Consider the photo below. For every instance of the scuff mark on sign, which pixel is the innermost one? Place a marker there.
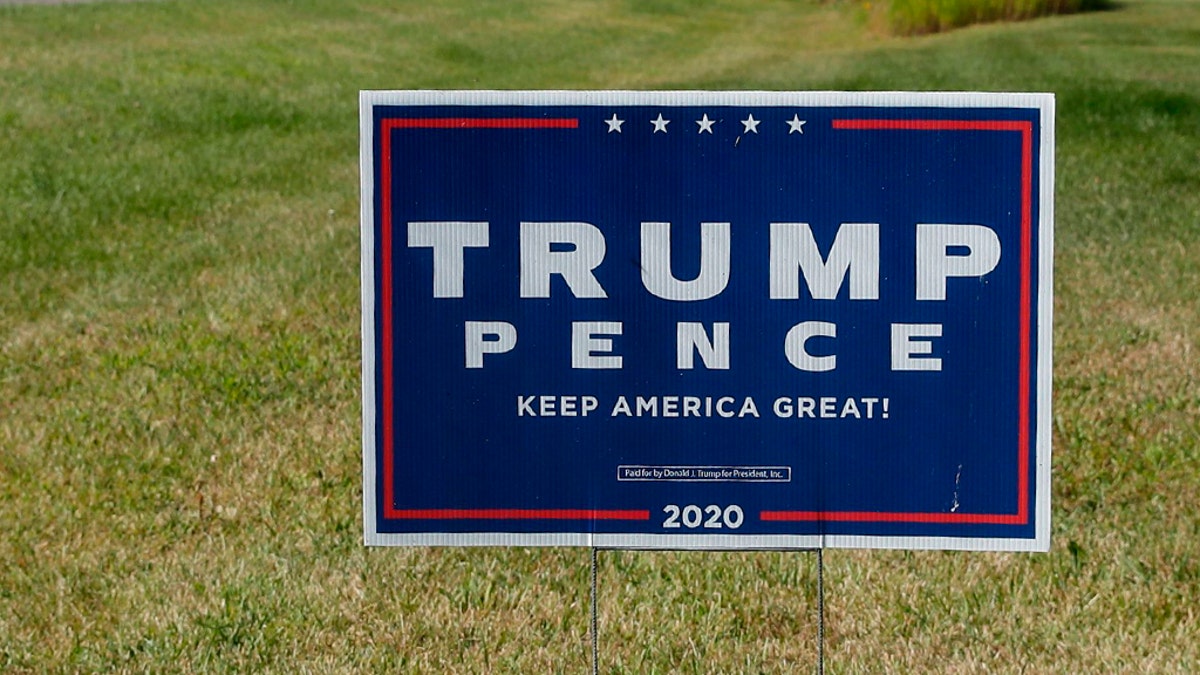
(957, 481)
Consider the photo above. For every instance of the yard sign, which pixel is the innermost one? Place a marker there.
(707, 319)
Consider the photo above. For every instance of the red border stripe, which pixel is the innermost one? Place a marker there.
(480, 123)
(932, 125)
(1023, 383)
(385, 239)
(519, 514)
(1021, 517)
(387, 331)
(885, 517)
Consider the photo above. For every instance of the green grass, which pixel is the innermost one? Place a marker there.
(179, 350)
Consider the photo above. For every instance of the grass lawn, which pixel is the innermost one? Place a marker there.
(179, 350)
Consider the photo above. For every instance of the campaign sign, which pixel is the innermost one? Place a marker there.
(707, 319)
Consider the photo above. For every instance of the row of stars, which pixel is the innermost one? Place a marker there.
(749, 125)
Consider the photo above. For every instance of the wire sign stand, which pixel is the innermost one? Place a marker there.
(595, 623)
(492, 214)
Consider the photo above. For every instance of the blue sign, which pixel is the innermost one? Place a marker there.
(707, 319)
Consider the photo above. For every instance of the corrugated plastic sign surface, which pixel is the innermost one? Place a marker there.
(707, 319)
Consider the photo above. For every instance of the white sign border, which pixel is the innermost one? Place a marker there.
(1044, 102)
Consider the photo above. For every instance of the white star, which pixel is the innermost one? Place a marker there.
(614, 124)
(705, 124)
(751, 124)
(660, 124)
(796, 125)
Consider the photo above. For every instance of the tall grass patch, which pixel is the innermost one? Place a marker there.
(909, 17)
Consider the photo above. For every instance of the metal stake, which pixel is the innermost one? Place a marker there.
(595, 622)
(821, 611)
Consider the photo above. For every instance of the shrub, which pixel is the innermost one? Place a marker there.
(911, 17)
